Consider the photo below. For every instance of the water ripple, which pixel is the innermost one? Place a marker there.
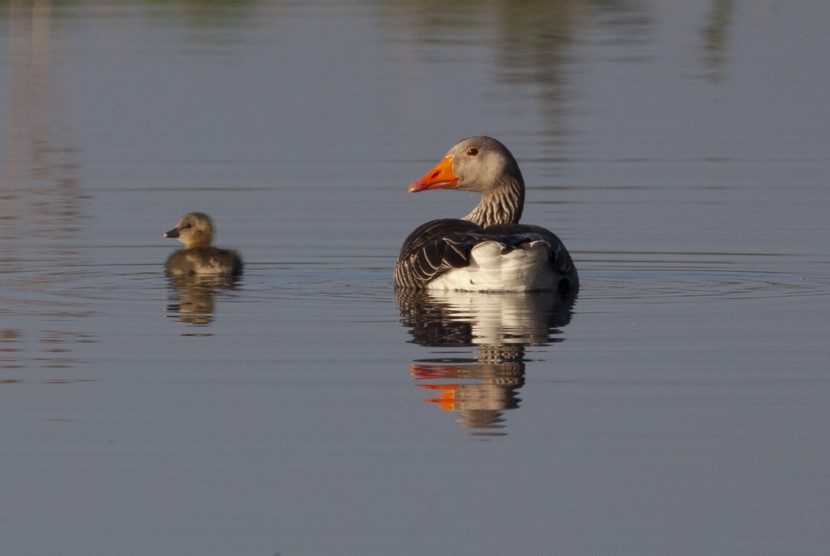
(674, 276)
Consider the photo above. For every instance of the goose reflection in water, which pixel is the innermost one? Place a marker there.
(499, 326)
(192, 297)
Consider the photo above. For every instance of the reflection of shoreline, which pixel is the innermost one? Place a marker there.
(193, 298)
(40, 204)
(716, 38)
(499, 327)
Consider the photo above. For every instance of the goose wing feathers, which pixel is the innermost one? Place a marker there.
(434, 248)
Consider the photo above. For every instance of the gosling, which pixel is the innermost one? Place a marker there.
(199, 257)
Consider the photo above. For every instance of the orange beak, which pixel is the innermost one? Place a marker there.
(440, 177)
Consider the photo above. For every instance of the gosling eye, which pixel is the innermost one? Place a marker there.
(472, 151)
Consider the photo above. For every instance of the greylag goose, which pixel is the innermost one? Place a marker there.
(487, 250)
(195, 231)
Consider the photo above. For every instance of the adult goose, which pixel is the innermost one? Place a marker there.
(199, 257)
(487, 250)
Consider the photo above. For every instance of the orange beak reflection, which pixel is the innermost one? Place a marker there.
(440, 177)
(446, 392)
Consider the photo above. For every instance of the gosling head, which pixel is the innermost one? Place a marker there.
(193, 230)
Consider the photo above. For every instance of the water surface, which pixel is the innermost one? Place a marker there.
(678, 405)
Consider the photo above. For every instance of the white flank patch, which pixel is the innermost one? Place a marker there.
(492, 270)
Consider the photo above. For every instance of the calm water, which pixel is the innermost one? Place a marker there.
(679, 405)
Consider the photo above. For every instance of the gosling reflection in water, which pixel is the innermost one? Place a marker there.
(499, 326)
(192, 300)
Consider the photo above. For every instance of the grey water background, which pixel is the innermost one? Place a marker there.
(679, 406)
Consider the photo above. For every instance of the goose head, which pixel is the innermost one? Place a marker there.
(481, 164)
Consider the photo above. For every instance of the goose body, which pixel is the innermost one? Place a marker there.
(487, 250)
(199, 257)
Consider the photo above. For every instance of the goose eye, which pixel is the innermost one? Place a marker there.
(472, 151)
